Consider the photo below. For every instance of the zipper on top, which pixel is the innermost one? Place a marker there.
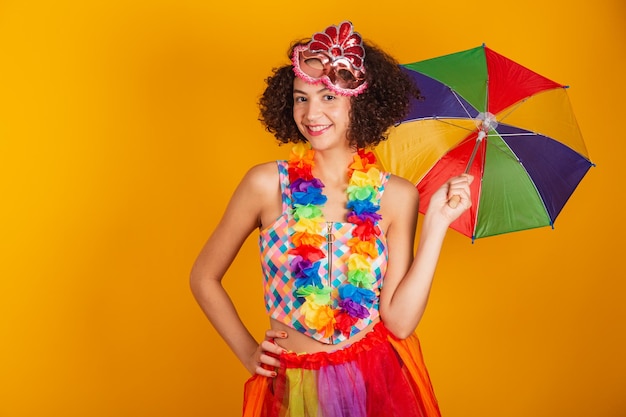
(330, 239)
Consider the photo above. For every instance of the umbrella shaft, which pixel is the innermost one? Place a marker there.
(473, 155)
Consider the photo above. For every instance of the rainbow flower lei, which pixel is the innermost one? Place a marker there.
(355, 294)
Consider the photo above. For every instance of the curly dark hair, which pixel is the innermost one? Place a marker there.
(384, 102)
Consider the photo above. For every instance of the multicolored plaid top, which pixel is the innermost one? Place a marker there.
(280, 301)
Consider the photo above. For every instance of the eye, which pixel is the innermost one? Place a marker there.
(329, 97)
(299, 99)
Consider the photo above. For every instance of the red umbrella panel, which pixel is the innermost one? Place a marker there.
(511, 128)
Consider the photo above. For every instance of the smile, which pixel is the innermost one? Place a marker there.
(319, 129)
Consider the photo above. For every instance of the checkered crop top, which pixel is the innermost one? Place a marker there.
(281, 302)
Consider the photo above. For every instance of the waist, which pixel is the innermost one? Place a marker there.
(298, 342)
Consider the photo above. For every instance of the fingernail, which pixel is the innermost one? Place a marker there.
(283, 334)
(274, 374)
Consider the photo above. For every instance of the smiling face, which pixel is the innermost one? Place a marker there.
(322, 116)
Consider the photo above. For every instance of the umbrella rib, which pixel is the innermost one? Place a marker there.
(469, 116)
(453, 124)
(512, 109)
(514, 134)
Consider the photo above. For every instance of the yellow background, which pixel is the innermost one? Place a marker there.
(125, 126)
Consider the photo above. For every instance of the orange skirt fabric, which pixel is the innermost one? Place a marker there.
(378, 376)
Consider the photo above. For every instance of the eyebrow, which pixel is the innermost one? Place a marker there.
(317, 92)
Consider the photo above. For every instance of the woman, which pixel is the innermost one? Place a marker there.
(343, 288)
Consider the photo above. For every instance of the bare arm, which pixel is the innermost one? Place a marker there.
(254, 197)
(408, 280)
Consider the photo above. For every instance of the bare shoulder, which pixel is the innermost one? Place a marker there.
(261, 190)
(400, 191)
(400, 201)
(262, 177)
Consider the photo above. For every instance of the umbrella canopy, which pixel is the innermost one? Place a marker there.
(511, 128)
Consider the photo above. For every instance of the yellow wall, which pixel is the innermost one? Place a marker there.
(126, 124)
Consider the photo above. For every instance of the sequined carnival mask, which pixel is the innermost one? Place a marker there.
(334, 57)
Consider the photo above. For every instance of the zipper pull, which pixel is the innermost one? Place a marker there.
(330, 237)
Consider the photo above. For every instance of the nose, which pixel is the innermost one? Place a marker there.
(313, 110)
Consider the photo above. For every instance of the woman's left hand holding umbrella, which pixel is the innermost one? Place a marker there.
(452, 198)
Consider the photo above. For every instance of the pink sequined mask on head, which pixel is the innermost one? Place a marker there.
(334, 57)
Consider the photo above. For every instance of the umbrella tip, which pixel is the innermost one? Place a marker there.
(566, 86)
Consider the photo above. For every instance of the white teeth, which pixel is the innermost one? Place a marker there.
(317, 128)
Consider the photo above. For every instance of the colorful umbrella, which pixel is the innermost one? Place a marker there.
(511, 128)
